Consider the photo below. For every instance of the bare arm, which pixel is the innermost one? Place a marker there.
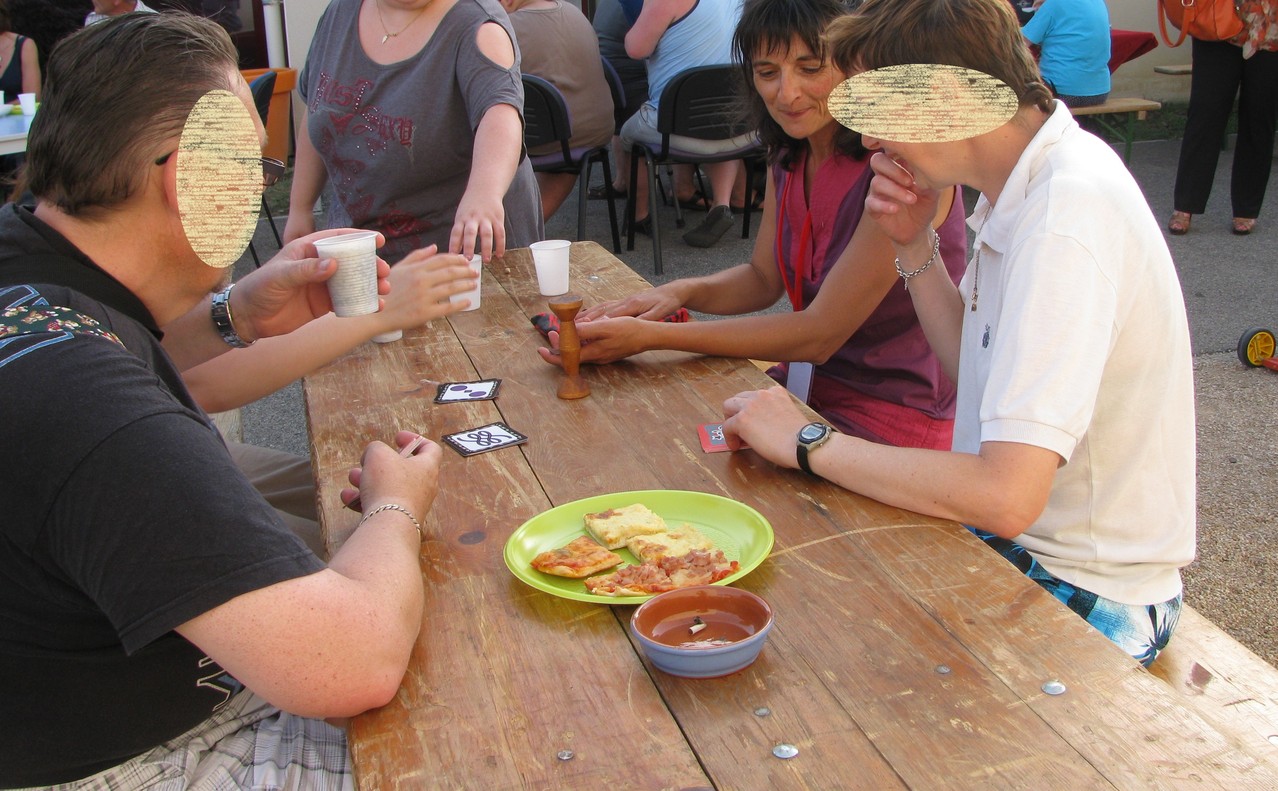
(480, 222)
(855, 286)
(1003, 489)
(309, 177)
(420, 287)
(30, 68)
(651, 25)
(336, 643)
(901, 209)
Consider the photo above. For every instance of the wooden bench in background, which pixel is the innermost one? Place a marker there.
(1117, 117)
(1228, 684)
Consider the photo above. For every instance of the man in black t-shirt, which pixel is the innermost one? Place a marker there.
(151, 602)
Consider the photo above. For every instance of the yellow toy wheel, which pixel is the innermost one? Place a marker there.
(1255, 346)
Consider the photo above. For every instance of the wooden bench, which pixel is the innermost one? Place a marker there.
(1228, 684)
(1109, 117)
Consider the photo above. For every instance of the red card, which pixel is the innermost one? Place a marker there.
(711, 436)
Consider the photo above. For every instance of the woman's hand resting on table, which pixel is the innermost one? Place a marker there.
(653, 304)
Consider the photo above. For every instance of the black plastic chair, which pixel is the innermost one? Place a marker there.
(262, 87)
(700, 103)
(546, 121)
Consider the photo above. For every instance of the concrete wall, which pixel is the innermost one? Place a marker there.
(1137, 77)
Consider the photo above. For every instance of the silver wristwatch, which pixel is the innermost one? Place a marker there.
(809, 438)
(222, 320)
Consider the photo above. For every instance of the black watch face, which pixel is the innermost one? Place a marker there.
(812, 433)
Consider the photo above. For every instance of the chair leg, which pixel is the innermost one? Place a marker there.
(674, 197)
(583, 182)
(256, 262)
(274, 231)
(612, 203)
(652, 214)
(631, 197)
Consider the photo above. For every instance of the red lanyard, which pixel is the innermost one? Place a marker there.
(802, 266)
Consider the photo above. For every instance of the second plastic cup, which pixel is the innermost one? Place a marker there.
(551, 260)
(28, 103)
(476, 263)
(353, 288)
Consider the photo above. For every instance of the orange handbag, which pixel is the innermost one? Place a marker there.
(1206, 20)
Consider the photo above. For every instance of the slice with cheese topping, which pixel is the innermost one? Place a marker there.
(614, 527)
(671, 543)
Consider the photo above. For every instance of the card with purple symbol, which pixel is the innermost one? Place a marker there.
(483, 390)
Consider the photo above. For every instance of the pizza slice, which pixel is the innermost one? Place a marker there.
(671, 543)
(698, 567)
(644, 579)
(579, 558)
(614, 527)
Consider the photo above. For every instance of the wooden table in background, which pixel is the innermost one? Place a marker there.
(905, 653)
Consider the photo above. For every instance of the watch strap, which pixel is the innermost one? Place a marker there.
(223, 322)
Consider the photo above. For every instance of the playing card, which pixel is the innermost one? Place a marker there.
(484, 438)
(711, 436)
(483, 390)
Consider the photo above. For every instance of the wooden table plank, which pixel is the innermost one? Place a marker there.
(474, 710)
(870, 601)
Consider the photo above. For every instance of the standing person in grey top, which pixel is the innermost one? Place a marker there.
(402, 96)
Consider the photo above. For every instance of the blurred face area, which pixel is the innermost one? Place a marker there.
(794, 84)
(219, 175)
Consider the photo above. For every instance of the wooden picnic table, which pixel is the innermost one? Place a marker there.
(905, 654)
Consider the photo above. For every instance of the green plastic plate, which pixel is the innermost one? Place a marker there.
(739, 530)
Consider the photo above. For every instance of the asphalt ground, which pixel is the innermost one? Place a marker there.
(1230, 286)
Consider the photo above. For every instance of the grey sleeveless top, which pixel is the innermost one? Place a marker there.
(397, 140)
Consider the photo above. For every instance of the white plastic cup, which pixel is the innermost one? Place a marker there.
(389, 337)
(476, 264)
(551, 260)
(27, 100)
(6, 110)
(353, 288)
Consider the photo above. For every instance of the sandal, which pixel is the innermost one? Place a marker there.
(1178, 225)
(601, 191)
(1244, 225)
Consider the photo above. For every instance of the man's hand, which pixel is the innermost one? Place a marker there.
(901, 207)
(768, 420)
(290, 289)
(385, 475)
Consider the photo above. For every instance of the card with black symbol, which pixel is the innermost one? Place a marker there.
(484, 439)
(483, 390)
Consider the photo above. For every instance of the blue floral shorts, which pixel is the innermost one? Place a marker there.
(1140, 630)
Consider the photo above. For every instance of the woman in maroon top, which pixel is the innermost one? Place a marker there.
(875, 376)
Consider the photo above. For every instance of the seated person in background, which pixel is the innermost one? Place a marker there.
(105, 9)
(674, 35)
(1073, 446)
(151, 603)
(414, 117)
(611, 25)
(1073, 39)
(875, 377)
(19, 60)
(557, 43)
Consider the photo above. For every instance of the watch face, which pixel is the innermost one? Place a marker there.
(812, 432)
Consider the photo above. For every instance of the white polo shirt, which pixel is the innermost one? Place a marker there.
(1079, 344)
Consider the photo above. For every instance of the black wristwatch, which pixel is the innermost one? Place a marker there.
(810, 437)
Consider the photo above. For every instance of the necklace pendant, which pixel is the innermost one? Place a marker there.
(385, 37)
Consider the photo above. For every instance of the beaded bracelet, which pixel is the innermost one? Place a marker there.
(395, 507)
(936, 250)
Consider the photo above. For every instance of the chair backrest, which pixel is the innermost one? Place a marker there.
(702, 102)
(545, 116)
(262, 87)
(618, 94)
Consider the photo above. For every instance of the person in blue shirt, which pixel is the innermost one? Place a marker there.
(1073, 36)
